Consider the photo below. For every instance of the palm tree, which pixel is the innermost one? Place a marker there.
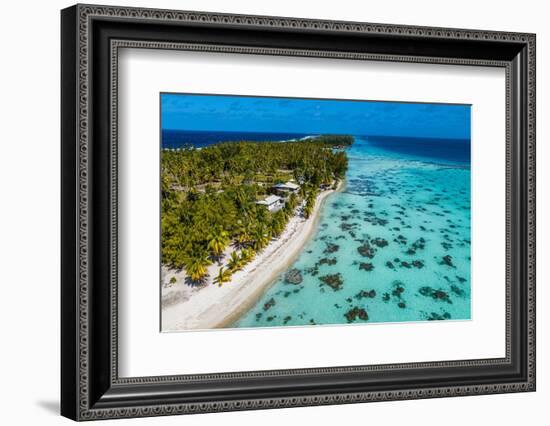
(260, 238)
(310, 203)
(292, 201)
(277, 224)
(195, 266)
(242, 236)
(224, 275)
(303, 190)
(243, 202)
(235, 262)
(247, 255)
(218, 239)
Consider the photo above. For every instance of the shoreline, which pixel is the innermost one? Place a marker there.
(210, 306)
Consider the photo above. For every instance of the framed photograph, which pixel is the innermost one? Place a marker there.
(263, 212)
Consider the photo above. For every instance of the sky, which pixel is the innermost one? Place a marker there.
(313, 116)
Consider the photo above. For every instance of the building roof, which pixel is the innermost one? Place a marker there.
(269, 200)
(289, 185)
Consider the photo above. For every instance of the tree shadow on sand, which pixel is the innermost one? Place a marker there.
(196, 283)
(217, 258)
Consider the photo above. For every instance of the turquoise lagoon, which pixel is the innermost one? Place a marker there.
(396, 239)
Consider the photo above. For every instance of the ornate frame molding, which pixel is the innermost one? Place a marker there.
(81, 16)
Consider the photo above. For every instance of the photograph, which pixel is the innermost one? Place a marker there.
(279, 211)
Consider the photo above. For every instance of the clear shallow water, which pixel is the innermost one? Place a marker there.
(420, 206)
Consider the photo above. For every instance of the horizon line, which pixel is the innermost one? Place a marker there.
(317, 134)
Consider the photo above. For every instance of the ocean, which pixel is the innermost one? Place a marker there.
(396, 239)
(180, 138)
(453, 151)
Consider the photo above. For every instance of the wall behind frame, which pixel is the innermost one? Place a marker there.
(30, 225)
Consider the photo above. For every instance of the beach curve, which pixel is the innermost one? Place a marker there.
(214, 307)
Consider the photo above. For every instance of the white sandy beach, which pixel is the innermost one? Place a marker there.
(210, 306)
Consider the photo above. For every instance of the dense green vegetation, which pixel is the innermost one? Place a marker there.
(209, 197)
(333, 140)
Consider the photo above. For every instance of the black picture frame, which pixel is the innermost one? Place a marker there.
(90, 386)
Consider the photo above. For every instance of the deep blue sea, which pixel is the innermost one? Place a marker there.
(455, 151)
(181, 138)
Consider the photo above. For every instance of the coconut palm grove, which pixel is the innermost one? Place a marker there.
(211, 197)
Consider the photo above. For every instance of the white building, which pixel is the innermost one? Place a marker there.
(272, 202)
(286, 188)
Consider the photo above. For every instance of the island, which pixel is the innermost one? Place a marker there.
(234, 215)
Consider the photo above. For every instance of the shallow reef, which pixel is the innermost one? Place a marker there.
(436, 294)
(356, 313)
(392, 246)
(294, 276)
(334, 281)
